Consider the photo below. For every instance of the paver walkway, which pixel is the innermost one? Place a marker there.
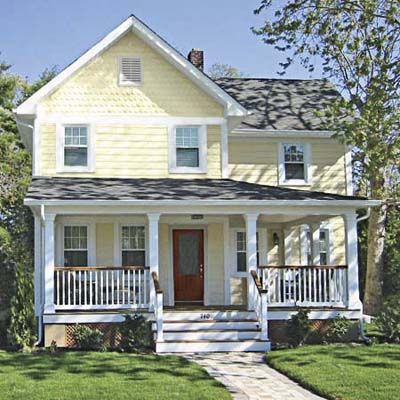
(247, 376)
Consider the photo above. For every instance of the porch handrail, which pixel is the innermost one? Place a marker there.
(305, 285)
(260, 304)
(101, 287)
(158, 307)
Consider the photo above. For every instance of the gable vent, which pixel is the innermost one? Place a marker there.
(130, 71)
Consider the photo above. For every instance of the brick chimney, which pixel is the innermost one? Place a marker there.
(196, 57)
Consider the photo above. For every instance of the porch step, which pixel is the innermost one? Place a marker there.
(239, 325)
(212, 346)
(212, 335)
(204, 315)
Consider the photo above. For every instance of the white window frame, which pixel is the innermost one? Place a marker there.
(202, 168)
(307, 165)
(262, 250)
(60, 133)
(120, 242)
(122, 83)
(305, 250)
(91, 241)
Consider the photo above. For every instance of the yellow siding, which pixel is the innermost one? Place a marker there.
(105, 244)
(131, 151)
(257, 162)
(164, 90)
(338, 255)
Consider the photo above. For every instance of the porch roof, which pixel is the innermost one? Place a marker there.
(143, 189)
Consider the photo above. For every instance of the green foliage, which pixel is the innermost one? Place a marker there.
(219, 70)
(87, 338)
(338, 329)
(299, 328)
(388, 320)
(136, 334)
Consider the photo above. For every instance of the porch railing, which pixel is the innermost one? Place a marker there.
(101, 287)
(309, 285)
(260, 305)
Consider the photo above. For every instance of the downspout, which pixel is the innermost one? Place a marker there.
(365, 338)
(40, 316)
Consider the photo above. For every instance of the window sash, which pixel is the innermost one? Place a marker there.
(187, 146)
(133, 237)
(75, 250)
(294, 161)
(76, 146)
(323, 247)
(241, 251)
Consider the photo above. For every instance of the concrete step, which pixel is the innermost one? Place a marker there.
(211, 335)
(211, 346)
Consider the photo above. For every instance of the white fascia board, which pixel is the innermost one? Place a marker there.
(296, 203)
(232, 107)
(261, 133)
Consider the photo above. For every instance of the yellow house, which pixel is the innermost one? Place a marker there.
(215, 208)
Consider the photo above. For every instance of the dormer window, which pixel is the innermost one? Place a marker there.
(294, 164)
(130, 71)
(188, 149)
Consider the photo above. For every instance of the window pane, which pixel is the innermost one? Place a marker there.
(294, 171)
(77, 258)
(241, 241)
(187, 137)
(133, 237)
(241, 262)
(323, 259)
(293, 152)
(75, 156)
(187, 157)
(75, 237)
(133, 258)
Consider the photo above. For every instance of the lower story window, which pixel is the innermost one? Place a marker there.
(241, 253)
(133, 246)
(75, 246)
(323, 247)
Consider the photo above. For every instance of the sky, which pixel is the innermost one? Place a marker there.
(38, 34)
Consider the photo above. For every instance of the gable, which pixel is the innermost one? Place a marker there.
(132, 24)
(164, 90)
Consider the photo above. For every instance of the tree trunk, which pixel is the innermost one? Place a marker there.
(374, 277)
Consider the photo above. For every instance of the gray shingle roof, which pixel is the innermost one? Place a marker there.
(57, 188)
(281, 104)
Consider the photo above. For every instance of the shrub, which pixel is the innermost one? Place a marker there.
(338, 329)
(299, 328)
(87, 338)
(136, 334)
(388, 320)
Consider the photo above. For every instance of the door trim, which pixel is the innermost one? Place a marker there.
(178, 227)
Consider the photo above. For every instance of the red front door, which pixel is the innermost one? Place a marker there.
(188, 255)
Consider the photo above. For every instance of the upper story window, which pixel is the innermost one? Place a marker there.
(76, 146)
(76, 246)
(133, 246)
(294, 164)
(130, 71)
(188, 149)
(75, 152)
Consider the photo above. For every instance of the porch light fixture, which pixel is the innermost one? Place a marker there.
(275, 239)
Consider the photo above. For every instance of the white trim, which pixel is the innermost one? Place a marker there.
(38, 271)
(277, 315)
(227, 263)
(49, 257)
(307, 165)
(202, 168)
(36, 147)
(349, 170)
(224, 151)
(90, 317)
(232, 107)
(131, 119)
(268, 134)
(217, 203)
(91, 140)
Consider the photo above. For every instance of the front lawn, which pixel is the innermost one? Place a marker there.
(343, 371)
(80, 375)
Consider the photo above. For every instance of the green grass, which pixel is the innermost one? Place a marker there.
(343, 371)
(90, 375)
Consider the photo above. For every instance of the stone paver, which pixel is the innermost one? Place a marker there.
(248, 377)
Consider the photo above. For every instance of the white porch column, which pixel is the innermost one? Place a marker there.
(315, 244)
(350, 221)
(38, 264)
(153, 223)
(251, 252)
(49, 249)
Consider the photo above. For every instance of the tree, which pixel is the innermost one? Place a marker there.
(16, 223)
(219, 70)
(358, 42)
